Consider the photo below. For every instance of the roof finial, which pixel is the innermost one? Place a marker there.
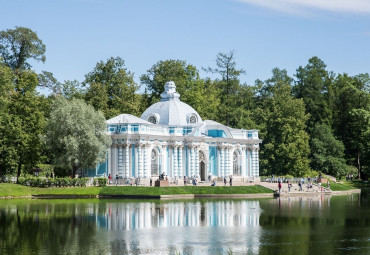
(170, 92)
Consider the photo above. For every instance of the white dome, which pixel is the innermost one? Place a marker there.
(170, 110)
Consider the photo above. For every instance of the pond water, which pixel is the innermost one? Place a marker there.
(307, 225)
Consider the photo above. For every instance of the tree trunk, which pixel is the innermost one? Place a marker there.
(358, 164)
(19, 170)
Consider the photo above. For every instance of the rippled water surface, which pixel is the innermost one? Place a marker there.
(307, 225)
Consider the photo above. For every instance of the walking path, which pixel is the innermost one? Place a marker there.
(294, 190)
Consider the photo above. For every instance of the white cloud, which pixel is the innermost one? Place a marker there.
(309, 6)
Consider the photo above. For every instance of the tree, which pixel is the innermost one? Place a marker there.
(111, 88)
(22, 122)
(47, 80)
(76, 134)
(285, 148)
(229, 86)
(327, 152)
(19, 45)
(359, 137)
(314, 85)
(183, 74)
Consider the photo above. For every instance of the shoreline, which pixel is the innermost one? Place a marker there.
(189, 196)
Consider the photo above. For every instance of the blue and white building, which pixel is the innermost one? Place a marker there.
(171, 137)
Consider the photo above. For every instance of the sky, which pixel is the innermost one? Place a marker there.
(263, 34)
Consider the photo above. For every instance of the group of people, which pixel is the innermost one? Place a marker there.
(309, 185)
(230, 180)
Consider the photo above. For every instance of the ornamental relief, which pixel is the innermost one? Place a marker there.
(203, 152)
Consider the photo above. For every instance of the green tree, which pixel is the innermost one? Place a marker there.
(285, 148)
(359, 137)
(327, 152)
(19, 45)
(314, 85)
(112, 89)
(76, 134)
(47, 80)
(230, 88)
(184, 75)
(22, 122)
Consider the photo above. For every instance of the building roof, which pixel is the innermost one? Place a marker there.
(170, 110)
(126, 118)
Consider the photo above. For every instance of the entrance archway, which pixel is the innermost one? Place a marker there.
(236, 164)
(154, 163)
(202, 166)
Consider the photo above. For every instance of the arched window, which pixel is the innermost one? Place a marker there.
(236, 164)
(193, 119)
(152, 119)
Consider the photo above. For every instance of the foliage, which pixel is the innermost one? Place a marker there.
(285, 148)
(111, 88)
(76, 135)
(314, 85)
(101, 181)
(229, 86)
(42, 182)
(22, 121)
(327, 152)
(19, 45)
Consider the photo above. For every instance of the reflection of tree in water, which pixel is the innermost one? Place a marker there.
(33, 229)
(313, 225)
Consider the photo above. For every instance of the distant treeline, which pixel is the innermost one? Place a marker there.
(315, 121)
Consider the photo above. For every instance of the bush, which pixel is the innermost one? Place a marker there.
(101, 181)
(57, 182)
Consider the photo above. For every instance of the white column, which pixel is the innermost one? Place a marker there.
(145, 161)
(192, 161)
(139, 161)
(222, 173)
(174, 165)
(115, 165)
(180, 169)
(120, 161)
(127, 161)
(197, 162)
(227, 161)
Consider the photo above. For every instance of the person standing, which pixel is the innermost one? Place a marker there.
(289, 186)
(300, 185)
(225, 181)
(279, 185)
(184, 180)
(231, 180)
(116, 179)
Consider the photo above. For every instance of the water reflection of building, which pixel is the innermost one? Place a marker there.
(125, 216)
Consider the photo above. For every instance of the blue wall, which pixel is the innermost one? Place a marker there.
(212, 168)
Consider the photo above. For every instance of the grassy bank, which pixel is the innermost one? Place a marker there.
(341, 186)
(15, 190)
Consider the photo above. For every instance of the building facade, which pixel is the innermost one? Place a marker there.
(170, 137)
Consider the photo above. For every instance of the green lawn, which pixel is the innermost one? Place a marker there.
(341, 186)
(16, 190)
(128, 190)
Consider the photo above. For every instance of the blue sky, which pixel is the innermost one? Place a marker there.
(263, 33)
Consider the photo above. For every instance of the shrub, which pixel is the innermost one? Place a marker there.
(101, 181)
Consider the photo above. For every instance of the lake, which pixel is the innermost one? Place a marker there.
(297, 225)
